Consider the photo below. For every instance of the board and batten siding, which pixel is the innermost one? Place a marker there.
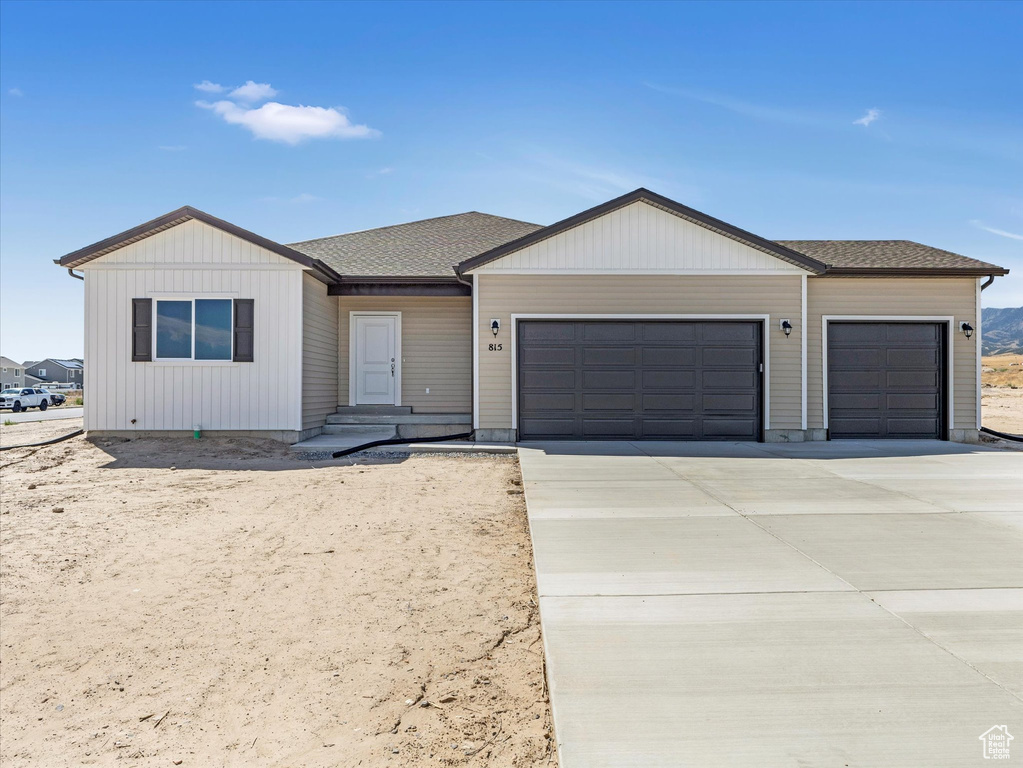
(436, 349)
(639, 238)
(193, 260)
(319, 353)
(500, 296)
(933, 297)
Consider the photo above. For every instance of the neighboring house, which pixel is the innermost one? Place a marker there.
(58, 371)
(12, 374)
(638, 319)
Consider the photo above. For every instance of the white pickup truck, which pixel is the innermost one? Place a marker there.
(23, 399)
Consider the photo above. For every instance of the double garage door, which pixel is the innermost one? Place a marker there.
(886, 380)
(663, 380)
(674, 380)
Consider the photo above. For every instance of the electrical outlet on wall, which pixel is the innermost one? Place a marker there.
(427, 390)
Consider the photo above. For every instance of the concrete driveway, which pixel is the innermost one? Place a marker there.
(821, 604)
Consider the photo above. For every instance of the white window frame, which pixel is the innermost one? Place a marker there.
(42, 372)
(191, 360)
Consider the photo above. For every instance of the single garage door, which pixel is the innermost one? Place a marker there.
(886, 380)
(611, 380)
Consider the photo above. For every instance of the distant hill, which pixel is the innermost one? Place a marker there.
(1003, 330)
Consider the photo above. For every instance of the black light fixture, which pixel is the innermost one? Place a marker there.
(495, 326)
(787, 327)
(966, 328)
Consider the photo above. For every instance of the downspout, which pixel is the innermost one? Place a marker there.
(71, 271)
(993, 433)
(475, 344)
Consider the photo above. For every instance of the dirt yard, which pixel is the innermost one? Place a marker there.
(224, 603)
(1002, 399)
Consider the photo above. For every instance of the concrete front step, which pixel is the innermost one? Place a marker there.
(384, 410)
(358, 429)
(407, 431)
(324, 443)
(346, 417)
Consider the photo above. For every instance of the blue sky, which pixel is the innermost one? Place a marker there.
(795, 121)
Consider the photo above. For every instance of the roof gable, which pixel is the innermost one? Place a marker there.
(642, 231)
(180, 216)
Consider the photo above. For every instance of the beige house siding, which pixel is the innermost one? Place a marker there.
(319, 353)
(500, 296)
(954, 297)
(436, 349)
(193, 260)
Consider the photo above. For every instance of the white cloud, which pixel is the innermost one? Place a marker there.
(993, 231)
(207, 87)
(16, 92)
(290, 124)
(379, 172)
(253, 92)
(172, 147)
(868, 118)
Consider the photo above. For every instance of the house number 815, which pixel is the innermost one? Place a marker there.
(496, 347)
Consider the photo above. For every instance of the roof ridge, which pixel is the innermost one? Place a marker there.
(407, 223)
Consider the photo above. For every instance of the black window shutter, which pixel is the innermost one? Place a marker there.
(141, 330)
(244, 325)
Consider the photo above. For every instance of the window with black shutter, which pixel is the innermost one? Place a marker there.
(244, 326)
(141, 330)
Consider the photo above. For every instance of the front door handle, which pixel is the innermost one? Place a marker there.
(392, 370)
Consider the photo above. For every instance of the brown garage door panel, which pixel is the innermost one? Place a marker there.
(670, 380)
(886, 380)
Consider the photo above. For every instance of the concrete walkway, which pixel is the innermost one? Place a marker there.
(821, 604)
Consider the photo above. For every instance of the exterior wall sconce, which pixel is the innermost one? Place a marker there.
(495, 326)
(966, 328)
(786, 326)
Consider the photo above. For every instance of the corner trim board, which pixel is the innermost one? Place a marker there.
(475, 352)
(802, 353)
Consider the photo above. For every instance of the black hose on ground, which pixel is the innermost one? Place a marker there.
(1003, 435)
(60, 439)
(400, 441)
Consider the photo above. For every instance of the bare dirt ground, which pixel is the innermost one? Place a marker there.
(1002, 393)
(225, 603)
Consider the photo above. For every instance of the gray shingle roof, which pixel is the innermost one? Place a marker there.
(884, 254)
(428, 248)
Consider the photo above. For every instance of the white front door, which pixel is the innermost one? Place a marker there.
(376, 363)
